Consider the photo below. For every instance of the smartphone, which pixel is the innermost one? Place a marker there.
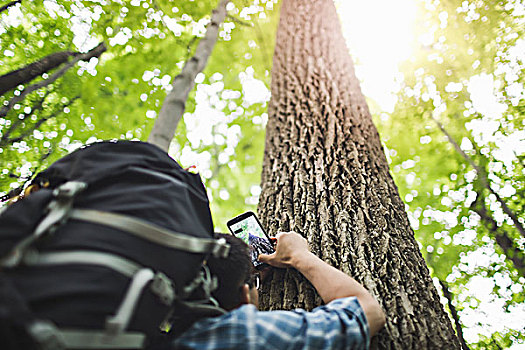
(248, 228)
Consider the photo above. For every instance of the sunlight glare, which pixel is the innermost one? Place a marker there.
(379, 35)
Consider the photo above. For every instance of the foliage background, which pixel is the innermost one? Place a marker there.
(466, 53)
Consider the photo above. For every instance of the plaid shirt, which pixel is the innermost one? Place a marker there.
(340, 324)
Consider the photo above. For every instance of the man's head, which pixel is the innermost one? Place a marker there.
(234, 275)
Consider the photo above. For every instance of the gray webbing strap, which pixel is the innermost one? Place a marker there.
(124, 266)
(60, 206)
(49, 337)
(169, 178)
(114, 335)
(210, 310)
(205, 280)
(118, 323)
(153, 233)
(161, 286)
(46, 335)
(91, 339)
(58, 211)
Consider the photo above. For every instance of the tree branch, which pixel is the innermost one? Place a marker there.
(238, 21)
(483, 178)
(173, 106)
(18, 121)
(454, 313)
(8, 5)
(23, 75)
(502, 238)
(95, 52)
(262, 44)
(35, 126)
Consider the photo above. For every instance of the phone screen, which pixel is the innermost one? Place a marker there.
(250, 231)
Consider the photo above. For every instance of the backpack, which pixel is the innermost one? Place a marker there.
(108, 251)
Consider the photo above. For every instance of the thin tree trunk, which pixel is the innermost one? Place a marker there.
(95, 52)
(23, 75)
(325, 176)
(173, 106)
(459, 329)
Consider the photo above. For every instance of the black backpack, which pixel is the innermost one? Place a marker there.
(109, 252)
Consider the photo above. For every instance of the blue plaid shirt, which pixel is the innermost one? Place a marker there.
(340, 324)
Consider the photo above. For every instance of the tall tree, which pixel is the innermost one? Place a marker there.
(325, 175)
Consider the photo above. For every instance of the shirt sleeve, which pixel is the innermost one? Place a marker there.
(340, 324)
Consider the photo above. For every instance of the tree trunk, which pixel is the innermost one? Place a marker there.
(325, 176)
(174, 103)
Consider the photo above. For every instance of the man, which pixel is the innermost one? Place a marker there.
(347, 321)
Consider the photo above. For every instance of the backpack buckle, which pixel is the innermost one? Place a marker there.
(68, 190)
(162, 286)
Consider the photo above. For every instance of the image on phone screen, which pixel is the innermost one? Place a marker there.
(250, 231)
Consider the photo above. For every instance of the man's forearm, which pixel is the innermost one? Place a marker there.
(292, 251)
(332, 284)
(329, 282)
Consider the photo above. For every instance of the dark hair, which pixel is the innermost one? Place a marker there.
(231, 272)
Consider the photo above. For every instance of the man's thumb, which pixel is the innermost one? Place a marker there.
(264, 257)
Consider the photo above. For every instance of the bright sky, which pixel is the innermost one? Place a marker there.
(379, 35)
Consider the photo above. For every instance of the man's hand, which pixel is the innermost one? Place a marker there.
(290, 248)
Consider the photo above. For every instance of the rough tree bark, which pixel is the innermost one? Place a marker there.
(325, 176)
(174, 103)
